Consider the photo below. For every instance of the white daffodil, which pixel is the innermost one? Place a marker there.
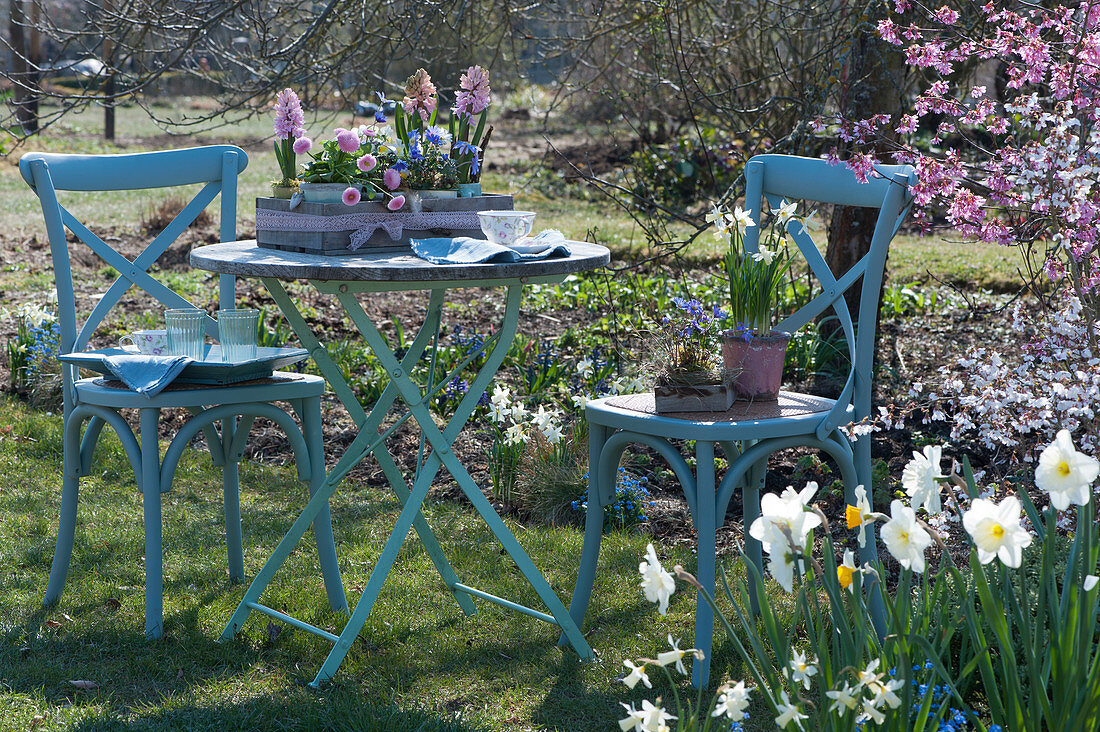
(585, 367)
(884, 693)
(868, 675)
(500, 404)
(1064, 473)
(919, 479)
(732, 702)
(580, 401)
(788, 712)
(743, 219)
(996, 531)
(542, 418)
(801, 670)
(676, 655)
(655, 718)
(786, 213)
(634, 719)
(637, 673)
(765, 255)
(552, 432)
(904, 538)
(657, 584)
(860, 515)
(871, 712)
(1090, 582)
(846, 570)
(516, 434)
(781, 517)
(843, 698)
(519, 411)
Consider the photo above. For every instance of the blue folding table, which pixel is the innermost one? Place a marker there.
(344, 277)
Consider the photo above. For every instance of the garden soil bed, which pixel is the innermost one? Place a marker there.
(911, 349)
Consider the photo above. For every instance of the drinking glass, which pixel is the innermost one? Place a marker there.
(186, 332)
(237, 333)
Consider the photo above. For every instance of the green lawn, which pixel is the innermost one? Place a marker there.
(419, 664)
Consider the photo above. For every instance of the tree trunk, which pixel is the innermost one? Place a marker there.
(873, 85)
(109, 82)
(25, 52)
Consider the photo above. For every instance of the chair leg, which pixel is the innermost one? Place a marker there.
(150, 489)
(66, 526)
(705, 530)
(750, 511)
(232, 501)
(593, 528)
(310, 414)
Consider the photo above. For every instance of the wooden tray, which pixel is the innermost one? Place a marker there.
(335, 243)
(211, 370)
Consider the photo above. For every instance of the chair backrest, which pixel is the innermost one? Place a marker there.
(216, 166)
(782, 179)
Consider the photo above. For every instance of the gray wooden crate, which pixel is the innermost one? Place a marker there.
(335, 243)
(696, 398)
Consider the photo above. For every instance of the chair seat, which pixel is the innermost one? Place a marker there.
(279, 386)
(791, 414)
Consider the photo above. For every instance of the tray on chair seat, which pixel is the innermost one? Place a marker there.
(211, 370)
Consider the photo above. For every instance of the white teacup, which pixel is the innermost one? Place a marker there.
(151, 342)
(506, 227)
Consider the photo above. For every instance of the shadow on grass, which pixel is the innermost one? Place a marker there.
(348, 711)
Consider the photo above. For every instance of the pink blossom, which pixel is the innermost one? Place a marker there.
(347, 141)
(302, 145)
(351, 196)
(289, 117)
(396, 203)
(947, 16)
(888, 32)
(392, 179)
(367, 163)
(473, 95)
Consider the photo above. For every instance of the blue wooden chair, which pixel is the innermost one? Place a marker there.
(749, 432)
(98, 402)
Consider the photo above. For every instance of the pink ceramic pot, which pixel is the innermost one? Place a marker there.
(756, 364)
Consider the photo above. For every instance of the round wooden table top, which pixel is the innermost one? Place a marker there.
(246, 259)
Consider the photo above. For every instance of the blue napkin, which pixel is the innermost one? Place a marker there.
(467, 250)
(146, 374)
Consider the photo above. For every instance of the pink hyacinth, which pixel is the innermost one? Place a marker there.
(391, 178)
(419, 95)
(396, 203)
(473, 94)
(367, 163)
(351, 196)
(302, 145)
(289, 117)
(347, 141)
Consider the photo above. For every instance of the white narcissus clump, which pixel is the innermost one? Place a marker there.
(904, 538)
(1064, 473)
(657, 584)
(996, 531)
(919, 479)
(732, 702)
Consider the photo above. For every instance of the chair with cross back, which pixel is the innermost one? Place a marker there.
(224, 414)
(750, 431)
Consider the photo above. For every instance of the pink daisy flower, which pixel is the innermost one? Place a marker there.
(302, 145)
(396, 203)
(392, 179)
(351, 196)
(347, 141)
(367, 163)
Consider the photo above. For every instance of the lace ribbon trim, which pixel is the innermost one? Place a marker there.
(363, 225)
